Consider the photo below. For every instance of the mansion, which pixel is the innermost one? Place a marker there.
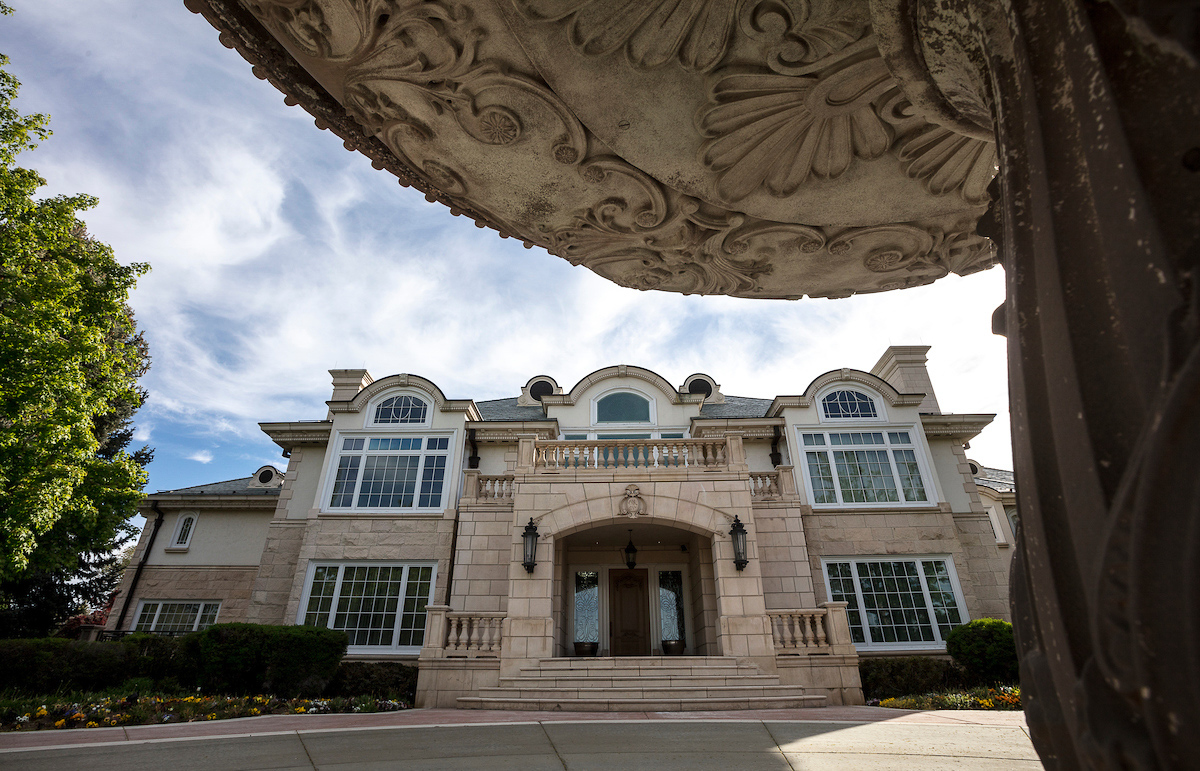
(621, 544)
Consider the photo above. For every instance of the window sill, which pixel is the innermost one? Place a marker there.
(176, 549)
(877, 508)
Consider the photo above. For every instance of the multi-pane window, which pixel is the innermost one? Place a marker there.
(164, 616)
(846, 467)
(390, 472)
(401, 409)
(848, 404)
(897, 603)
(183, 531)
(376, 604)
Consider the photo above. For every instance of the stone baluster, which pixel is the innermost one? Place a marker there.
(476, 634)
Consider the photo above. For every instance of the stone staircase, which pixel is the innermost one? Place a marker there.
(641, 683)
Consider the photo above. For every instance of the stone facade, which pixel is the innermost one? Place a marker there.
(762, 537)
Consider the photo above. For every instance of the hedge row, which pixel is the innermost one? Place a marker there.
(983, 653)
(244, 659)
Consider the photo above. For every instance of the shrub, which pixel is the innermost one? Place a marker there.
(53, 664)
(380, 679)
(986, 649)
(892, 676)
(303, 659)
(171, 662)
(256, 658)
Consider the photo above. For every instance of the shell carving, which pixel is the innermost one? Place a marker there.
(776, 131)
(632, 505)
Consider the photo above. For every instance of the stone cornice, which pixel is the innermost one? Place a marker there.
(509, 431)
(288, 435)
(747, 428)
(405, 380)
(621, 370)
(963, 427)
(201, 501)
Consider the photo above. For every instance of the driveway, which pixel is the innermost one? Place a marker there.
(842, 738)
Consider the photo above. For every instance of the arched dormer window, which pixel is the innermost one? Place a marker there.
(401, 410)
(848, 404)
(623, 407)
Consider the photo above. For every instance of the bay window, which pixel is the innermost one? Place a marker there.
(897, 603)
(849, 467)
(390, 472)
(379, 605)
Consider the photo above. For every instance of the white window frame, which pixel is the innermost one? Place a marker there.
(336, 452)
(916, 443)
(881, 415)
(939, 643)
(137, 619)
(592, 434)
(373, 405)
(174, 545)
(615, 426)
(407, 565)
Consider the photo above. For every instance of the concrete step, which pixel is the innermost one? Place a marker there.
(648, 681)
(683, 671)
(600, 662)
(642, 704)
(648, 692)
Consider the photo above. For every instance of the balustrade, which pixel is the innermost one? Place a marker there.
(495, 489)
(473, 634)
(641, 454)
(764, 486)
(797, 631)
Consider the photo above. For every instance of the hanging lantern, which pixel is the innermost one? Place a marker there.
(738, 533)
(631, 553)
(530, 537)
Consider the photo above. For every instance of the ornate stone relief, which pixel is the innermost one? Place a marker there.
(790, 103)
(632, 505)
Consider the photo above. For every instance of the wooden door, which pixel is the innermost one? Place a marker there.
(629, 612)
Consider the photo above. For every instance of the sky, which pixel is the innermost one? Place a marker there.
(277, 255)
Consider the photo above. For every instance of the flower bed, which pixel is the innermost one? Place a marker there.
(1006, 697)
(94, 711)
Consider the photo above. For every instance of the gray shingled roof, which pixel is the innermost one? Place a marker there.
(996, 479)
(737, 407)
(508, 409)
(228, 487)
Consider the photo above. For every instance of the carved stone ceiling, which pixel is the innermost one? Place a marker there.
(757, 148)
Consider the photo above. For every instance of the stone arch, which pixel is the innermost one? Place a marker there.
(668, 511)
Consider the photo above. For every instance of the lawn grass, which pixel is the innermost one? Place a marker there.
(1000, 697)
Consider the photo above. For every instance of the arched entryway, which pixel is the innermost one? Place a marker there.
(665, 604)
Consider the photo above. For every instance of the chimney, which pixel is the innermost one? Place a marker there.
(903, 367)
(348, 382)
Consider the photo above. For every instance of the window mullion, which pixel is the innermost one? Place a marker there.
(399, 621)
(933, 620)
(862, 604)
(833, 471)
(337, 597)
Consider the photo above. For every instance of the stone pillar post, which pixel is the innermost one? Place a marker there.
(529, 628)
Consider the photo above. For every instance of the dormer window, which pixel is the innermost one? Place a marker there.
(848, 404)
(401, 410)
(623, 407)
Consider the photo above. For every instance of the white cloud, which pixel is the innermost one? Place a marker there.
(201, 456)
(277, 255)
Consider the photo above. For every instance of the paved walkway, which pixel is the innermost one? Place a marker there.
(842, 738)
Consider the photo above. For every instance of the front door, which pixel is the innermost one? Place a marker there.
(629, 611)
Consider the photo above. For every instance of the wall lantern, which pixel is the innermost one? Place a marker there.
(631, 553)
(738, 533)
(530, 537)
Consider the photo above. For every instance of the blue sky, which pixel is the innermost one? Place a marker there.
(278, 255)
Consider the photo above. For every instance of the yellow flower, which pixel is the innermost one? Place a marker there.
(254, 710)
(92, 725)
(60, 723)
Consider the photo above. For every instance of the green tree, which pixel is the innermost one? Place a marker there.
(70, 357)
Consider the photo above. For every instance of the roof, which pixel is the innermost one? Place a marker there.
(241, 486)
(996, 479)
(508, 409)
(737, 407)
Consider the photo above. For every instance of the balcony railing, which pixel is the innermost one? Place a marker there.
(462, 634)
(651, 455)
(810, 630)
(482, 488)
